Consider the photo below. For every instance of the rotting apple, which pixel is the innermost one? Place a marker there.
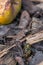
(8, 10)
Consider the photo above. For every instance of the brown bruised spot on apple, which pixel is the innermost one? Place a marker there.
(7, 6)
(2, 6)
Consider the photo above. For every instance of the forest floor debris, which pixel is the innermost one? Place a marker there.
(22, 42)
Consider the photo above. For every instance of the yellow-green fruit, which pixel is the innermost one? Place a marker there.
(9, 10)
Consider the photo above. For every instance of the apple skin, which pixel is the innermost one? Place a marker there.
(10, 12)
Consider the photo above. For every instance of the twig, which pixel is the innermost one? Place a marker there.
(6, 50)
(31, 39)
